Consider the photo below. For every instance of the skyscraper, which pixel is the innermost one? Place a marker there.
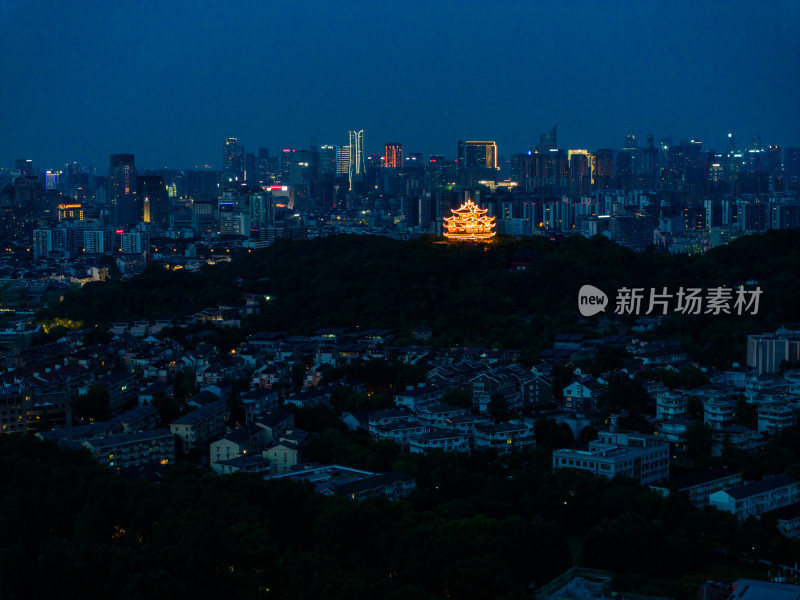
(343, 160)
(154, 200)
(232, 160)
(477, 161)
(327, 160)
(122, 189)
(791, 162)
(357, 167)
(393, 156)
(548, 140)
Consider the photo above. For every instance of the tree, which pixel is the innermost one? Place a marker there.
(746, 413)
(698, 440)
(498, 408)
(167, 406)
(93, 405)
(457, 398)
(551, 435)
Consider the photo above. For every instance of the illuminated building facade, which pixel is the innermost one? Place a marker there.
(469, 223)
(356, 167)
(393, 156)
(70, 212)
(343, 160)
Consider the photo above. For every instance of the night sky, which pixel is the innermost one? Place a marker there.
(169, 80)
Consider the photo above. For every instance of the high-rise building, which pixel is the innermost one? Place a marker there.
(232, 160)
(327, 160)
(343, 160)
(393, 156)
(154, 200)
(287, 159)
(357, 165)
(604, 164)
(791, 162)
(548, 140)
(650, 159)
(263, 167)
(477, 161)
(250, 168)
(122, 190)
(579, 177)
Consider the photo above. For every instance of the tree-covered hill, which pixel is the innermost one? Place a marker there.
(467, 293)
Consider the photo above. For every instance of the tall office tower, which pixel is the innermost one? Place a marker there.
(262, 167)
(477, 161)
(122, 190)
(393, 156)
(791, 162)
(774, 162)
(624, 164)
(343, 160)
(300, 169)
(250, 168)
(697, 164)
(232, 160)
(357, 166)
(154, 200)
(650, 159)
(632, 149)
(287, 160)
(327, 160)
(579, 177)
(676, 164)
(604, 164)
(548, 140)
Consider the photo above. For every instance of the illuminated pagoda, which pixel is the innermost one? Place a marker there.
(469, 223)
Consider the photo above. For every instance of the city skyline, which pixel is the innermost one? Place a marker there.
(167, 83)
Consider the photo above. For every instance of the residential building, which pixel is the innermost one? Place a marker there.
(774, 417)
(504, 438)
(699, 486)
(766, 351)
(737, 436)
(244, 440)
(133, 449)
(199, 427)
(757, 498)
(439, 439)
(671, 404)
(414, 398)
(283, 456)
(437, 414)
(718, 414)
(640, 456)
(583, 395)
(354, 484)
(247, 463)
(399, 432)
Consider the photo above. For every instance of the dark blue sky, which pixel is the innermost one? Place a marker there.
(169, 80)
